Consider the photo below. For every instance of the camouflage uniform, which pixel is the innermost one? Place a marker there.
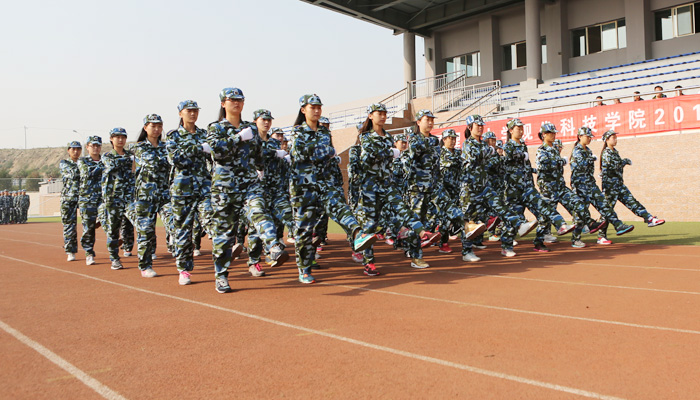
(89, 199)
(151, 197)
(376, 159)
(70, 174)
(190, 189)
(117, 193)
(521, 192)
(237, 191)
(614, 187)
(450, 179)
(3, 207)
(583, 183)
(354, 175)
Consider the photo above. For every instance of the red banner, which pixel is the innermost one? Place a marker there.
(627, 119)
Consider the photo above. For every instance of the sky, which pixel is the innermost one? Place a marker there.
(74, 68)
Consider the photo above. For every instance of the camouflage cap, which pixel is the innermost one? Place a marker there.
(375, 107)
(275, 131)
(312, 99)
(558, 144)
(117, 132)
(449, 133)
(499, 144)
(607, 134)
(489, 135)
(585, 131)
(187, 105)
(74, 145)
(475, 119)
(400, 137)
(548, 127)
(94, 140)
(424, 113)
(231, 93)
(152, 119)
(324, 120)
(262, 113)
(513, 123)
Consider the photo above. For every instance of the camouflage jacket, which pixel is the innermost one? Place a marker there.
(423, 161)
(274, 167)
(582, 166)
(189, 174)
(496, 170)
(550, 170)
(70, 174)
(474, 174)
(354, 164)
(152, 172)
(518, 168)
(451, 171)
(90, 180)
(612, 166)
(311, 152)
(117, 177)
(376, 159)
(336, 175)
(236, 162)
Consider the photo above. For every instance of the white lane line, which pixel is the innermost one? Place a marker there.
(624, 266)
(89, 381)
(517, 310)
(407, 354)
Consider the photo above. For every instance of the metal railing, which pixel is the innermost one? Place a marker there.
(395, 103)
(427, 86)
(455, 97)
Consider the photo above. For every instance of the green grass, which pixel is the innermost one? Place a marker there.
(670, 233)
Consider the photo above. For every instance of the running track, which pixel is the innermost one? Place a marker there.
(620, 321)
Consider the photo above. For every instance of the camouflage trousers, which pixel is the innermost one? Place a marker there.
(619, 192)
(375, 203)
(479, 206)
(527, 196)
(278, 207)
(69, 219)
(197, 232)
(573, 204)
(232, 209)
(353, 195)
(184, 210)
(115, 223)
(591, 194)
(435, 208)
(143, 217)
(308, 202)
(88, 214)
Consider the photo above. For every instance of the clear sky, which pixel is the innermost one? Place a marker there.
(89, 66)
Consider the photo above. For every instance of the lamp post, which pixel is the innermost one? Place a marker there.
(25, 137)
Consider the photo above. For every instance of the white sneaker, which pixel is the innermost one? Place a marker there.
(565, 229)
(494, 238)
(153, 256)
(256, 270)
(526, 227)
(470, 257)
(184, 278)
(70, 257)
(116, 264)
(419, 263)
(290, 240)
(549, 238)
(127, 253)
(578, 244)
(515, 243)
(197, 253)
(148, 273)
(508, 253)
(90, 260)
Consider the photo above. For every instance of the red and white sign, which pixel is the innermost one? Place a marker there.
(627, 119)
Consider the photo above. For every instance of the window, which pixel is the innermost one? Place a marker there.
(677, 21)
(602, 37)
(514, 56)
(469, 63)
(544, 49)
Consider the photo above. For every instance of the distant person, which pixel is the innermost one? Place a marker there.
(616, 101)
(679, 91)
(637, 97)
(69, 198)
(90, 195)
(599, 101)
(659, 94)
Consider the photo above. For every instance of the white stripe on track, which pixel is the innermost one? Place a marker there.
(415, 356)
(89, 381)
(624, 266)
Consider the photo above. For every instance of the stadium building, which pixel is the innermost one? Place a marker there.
(548, 60)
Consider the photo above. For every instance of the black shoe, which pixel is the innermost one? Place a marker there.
(595, 226)
(540, 247)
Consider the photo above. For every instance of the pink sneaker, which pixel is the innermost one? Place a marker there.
(357, 257)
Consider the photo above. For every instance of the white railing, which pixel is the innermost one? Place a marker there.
(427, 86)
(464, 96)
(395, 103)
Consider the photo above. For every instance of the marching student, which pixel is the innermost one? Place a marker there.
(496, 171)
(583, 182)
(117, 192)
(311, 150)
(152, 195)
(614, 188)
(190, 185)
(90, 195)
(450, 176)
(70, 175)
(237, 191)
(550, 179)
